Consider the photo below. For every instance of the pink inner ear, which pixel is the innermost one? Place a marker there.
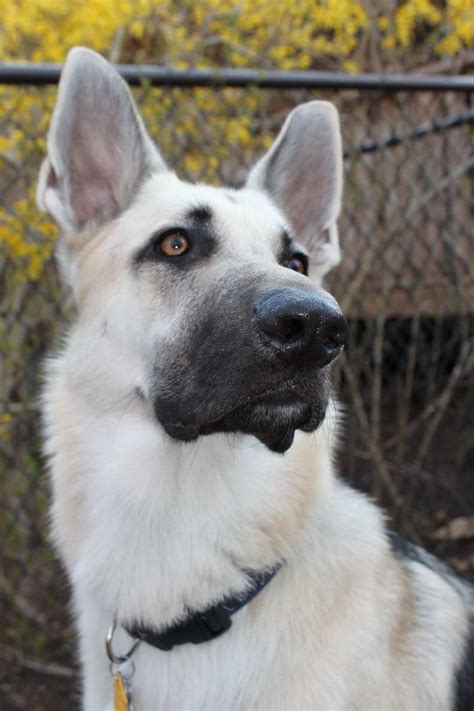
(97, 145)
(298, 202)
(303, 170)
(92, 170)
(305, 183)
(94, 202)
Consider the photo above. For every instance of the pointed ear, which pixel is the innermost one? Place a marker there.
(302, 172)
(98, 149)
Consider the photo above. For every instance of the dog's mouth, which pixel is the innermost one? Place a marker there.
(273, 418)
(273, 423)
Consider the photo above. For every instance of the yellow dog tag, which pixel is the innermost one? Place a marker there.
(121, 695)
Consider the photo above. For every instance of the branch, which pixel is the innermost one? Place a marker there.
(450, 65)
(9, 654)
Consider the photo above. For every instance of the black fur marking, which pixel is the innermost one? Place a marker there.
(224, 379)
(404, 549)
(408, 551)
(464, 693)
(287, 246)
(290, 248)
(199, 214)
(139, 393)
(464, 700)
(196, 227)
(272, 418)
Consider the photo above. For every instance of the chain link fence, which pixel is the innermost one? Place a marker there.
(405, 284)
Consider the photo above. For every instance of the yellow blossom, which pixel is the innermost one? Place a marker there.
(202, 33)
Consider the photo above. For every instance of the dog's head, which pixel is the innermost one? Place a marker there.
(208, 294)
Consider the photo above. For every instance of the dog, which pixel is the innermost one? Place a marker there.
(215, 559)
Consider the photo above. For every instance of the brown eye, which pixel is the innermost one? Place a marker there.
(298, 264)
(173, 245)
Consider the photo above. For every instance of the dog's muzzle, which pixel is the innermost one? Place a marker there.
(257, 367)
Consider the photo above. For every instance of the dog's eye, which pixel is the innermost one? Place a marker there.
(298, 264)
(173, 245)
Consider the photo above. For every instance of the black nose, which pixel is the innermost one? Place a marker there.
(301, 326)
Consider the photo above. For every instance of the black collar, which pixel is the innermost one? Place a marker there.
(204, 626)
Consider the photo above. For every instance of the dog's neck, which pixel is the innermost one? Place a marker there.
(157, 525)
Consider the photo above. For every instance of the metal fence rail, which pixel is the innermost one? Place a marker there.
(405, 283)
(136, 75)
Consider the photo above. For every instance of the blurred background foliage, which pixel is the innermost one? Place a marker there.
(332, 34)
(347, 35)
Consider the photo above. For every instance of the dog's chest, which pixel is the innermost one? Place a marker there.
(257, 664)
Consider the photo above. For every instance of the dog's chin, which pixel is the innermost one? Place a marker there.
(273, 423)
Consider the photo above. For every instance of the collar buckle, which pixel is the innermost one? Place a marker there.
(206, 625)
(214, 622)
(201, 627)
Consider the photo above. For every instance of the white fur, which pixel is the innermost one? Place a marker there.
(148, 526)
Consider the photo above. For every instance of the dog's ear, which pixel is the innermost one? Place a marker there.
(302, 172)
(98, 149)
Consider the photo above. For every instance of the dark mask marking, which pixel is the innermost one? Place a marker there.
(197, 226)
(198, 215)
(289, 248)
(221, 378)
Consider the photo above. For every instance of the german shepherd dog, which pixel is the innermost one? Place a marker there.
(190, 433)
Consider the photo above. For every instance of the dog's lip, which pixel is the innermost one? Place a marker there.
(281, 439)
(190, 430)
(184, 431)
(195, 424)
(254, 399)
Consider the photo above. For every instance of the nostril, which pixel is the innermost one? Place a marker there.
(336, 334)
(291, 330)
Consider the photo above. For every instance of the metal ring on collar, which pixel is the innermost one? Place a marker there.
(115, 659)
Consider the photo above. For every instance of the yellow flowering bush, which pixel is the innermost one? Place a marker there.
(207, 33)
(264, 33)
(447, 26)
